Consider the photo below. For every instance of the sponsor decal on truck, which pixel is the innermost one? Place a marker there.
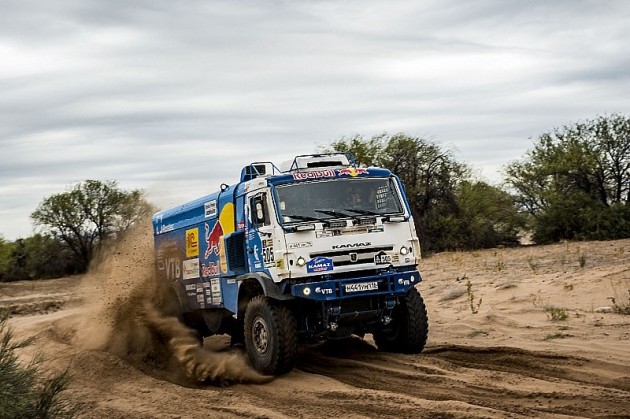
(319, 264)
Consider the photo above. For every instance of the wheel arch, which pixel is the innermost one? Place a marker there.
(256, 284)
(176, 293)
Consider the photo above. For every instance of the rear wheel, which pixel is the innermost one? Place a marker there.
(270, 336)
(171, 307)
(408, 331)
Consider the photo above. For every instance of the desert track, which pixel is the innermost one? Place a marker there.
(508, 360)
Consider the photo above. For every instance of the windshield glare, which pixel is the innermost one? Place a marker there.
(322, 200)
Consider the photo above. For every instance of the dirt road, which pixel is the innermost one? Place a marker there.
(513, 333)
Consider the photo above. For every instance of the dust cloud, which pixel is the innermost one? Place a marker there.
(123, 317)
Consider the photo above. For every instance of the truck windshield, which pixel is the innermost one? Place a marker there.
(338, 198)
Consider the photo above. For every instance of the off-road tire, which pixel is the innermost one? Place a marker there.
(270, 336)
(408, 331)
(171, 307)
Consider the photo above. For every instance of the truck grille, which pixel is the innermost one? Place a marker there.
(353, 256)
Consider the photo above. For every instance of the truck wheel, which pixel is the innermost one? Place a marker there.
(270, 336)
(172, 308)
(408, 331)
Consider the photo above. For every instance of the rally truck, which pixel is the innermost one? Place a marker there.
(317, 249)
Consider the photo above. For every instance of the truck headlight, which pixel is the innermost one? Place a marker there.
(300, 261)
(404, 250)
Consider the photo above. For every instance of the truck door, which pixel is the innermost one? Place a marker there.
(260, 236)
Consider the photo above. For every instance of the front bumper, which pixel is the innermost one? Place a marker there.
(386, 284)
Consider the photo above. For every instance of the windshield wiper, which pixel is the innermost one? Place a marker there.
(301, 217)
(333, 213)
(362, 211)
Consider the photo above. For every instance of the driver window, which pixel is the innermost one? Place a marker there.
(260, 210)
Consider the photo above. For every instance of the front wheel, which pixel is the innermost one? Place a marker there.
(408, 331)
(270, 336)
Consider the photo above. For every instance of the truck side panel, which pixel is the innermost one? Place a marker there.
(177, 259)
(190, 252)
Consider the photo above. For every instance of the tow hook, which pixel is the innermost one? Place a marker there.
(333, 326)
(386, 320)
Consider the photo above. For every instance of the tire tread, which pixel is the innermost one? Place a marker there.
(414, 324)
(285, 326)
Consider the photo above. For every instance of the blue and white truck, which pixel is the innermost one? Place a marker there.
(321, 249)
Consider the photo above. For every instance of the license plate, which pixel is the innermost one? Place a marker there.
(362, 286)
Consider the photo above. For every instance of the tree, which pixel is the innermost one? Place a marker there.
(5, 253)
(487, 216)
(447, 204)
(611, 137)
(16, 266)
(35, 257)
(366, 151)
(575, 183)
(89, 214)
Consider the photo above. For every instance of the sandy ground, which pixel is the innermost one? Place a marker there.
(529, 337)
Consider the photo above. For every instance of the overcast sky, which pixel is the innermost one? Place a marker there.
(175, 97)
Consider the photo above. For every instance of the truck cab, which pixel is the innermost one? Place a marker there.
(319, 249)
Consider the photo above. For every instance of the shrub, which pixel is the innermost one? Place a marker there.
(23, 392)
(621, 306)
(557, 313)
(474, 307)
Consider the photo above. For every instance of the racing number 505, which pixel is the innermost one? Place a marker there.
(268, 257)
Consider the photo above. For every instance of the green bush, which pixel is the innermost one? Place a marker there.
(23, 392)
(557, 313)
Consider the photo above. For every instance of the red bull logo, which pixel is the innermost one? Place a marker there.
(211, 270)
(315, 174)
(212, 239)
(353, 171)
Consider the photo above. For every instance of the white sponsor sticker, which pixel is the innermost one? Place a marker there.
(215, 285)
(300, 245)
(210, 208)
(191, 268)
(167, 228)
(362, 286)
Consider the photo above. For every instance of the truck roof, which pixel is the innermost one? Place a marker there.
(206, 207)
